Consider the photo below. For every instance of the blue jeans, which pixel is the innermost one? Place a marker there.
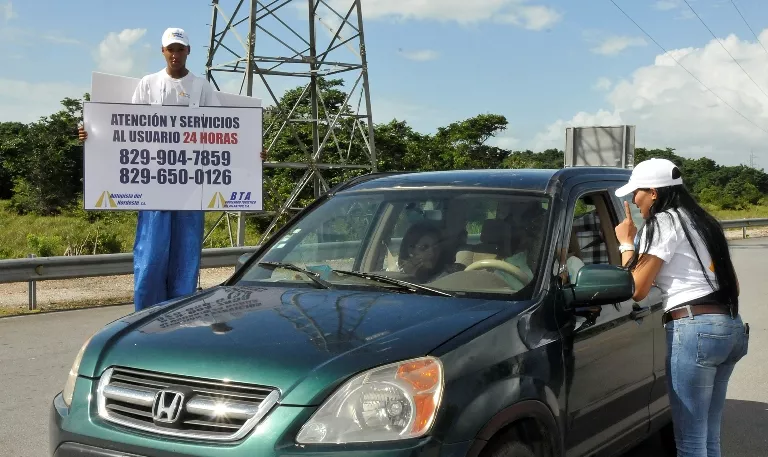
(166, 255)
(701, 355)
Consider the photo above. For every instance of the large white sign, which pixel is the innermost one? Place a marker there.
(151, 157)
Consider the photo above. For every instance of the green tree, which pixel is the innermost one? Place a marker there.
(725, 187)
(548, 159)
(41, 162)
(462, 145)
(46, 162)
(12, 147)
(399, 147)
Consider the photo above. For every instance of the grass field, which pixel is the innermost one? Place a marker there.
(72, 234)
(756, 212)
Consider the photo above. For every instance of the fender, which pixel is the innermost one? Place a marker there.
(527, 409)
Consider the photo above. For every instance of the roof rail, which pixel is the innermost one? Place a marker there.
(364, 178)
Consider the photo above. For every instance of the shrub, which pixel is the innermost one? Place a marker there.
(98, 240)
(44, 245)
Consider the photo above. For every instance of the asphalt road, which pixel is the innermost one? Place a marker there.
(36, 353)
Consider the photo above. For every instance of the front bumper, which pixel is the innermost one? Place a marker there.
(81, 450)
(78, 431)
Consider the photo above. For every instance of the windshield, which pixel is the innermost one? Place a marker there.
(421, 241)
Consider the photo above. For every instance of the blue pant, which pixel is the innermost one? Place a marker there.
(701, 355)
(166, 255)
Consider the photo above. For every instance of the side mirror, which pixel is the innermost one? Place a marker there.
(242, 259)
(599, 285)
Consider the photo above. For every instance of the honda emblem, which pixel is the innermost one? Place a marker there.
(168, 406)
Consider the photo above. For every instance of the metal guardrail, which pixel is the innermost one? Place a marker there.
(84, 266)
(35, 269)
(744, 223)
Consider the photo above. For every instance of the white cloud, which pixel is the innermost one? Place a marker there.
(602, 84)
(666, 5)
(19, 37)
(505, 141)
(616, 44)
(671, 109)
(684, 13)
(535, 17)
(422, 118)
(422, 55)
(232, 82)
(517, 12)
(7, 12)
(60, 39)
(23, 101)
(120, 53)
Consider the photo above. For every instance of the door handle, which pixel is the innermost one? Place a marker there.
(639, 313)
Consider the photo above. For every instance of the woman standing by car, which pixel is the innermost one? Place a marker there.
(683, 250)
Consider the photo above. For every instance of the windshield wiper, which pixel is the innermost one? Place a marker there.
(396, 282)
(314, 277)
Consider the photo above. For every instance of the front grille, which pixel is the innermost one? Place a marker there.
(210, 410)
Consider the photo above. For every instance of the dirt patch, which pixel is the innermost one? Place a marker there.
(103, 290)
(736, 234)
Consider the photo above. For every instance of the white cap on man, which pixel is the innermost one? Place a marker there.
(175, 35)
(651, 174)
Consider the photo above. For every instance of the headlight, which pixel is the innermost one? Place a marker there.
(69, 387)
(392, 402)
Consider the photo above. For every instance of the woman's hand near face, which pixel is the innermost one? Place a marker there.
(626, 230)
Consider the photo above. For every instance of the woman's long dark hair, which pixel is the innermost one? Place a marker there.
(677, 199)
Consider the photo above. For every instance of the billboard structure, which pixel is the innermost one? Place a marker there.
(600, 146)
(301, 43)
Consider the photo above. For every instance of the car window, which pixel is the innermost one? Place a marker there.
(476, 216)
(335, 242)
(592, 240)
(471, 242)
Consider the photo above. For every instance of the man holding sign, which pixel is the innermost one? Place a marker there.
(168, 244)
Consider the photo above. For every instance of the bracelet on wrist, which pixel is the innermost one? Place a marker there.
(626, 247)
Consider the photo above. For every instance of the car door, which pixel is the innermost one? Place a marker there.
(659, 401)
(610, 355)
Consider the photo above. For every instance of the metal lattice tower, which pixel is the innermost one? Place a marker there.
(294, 52)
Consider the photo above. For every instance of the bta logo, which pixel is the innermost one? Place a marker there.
(217, 201)
(244, 197)
(236, 200)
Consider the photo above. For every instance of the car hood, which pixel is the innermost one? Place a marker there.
(301, 341)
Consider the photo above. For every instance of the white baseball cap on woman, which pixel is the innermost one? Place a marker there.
(651, 174)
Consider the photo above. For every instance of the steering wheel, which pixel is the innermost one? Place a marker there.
(499, 265)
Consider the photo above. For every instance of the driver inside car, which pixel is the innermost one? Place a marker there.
(423, 252)
(522, 240)
(524, 225)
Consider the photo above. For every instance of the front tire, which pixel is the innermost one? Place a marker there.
(510, 449)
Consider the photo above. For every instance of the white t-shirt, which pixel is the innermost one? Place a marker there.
(681, 278)
(161, 88)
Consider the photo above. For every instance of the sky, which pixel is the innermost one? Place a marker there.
(544, 64)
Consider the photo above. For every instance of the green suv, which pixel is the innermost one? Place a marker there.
(458, 313)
